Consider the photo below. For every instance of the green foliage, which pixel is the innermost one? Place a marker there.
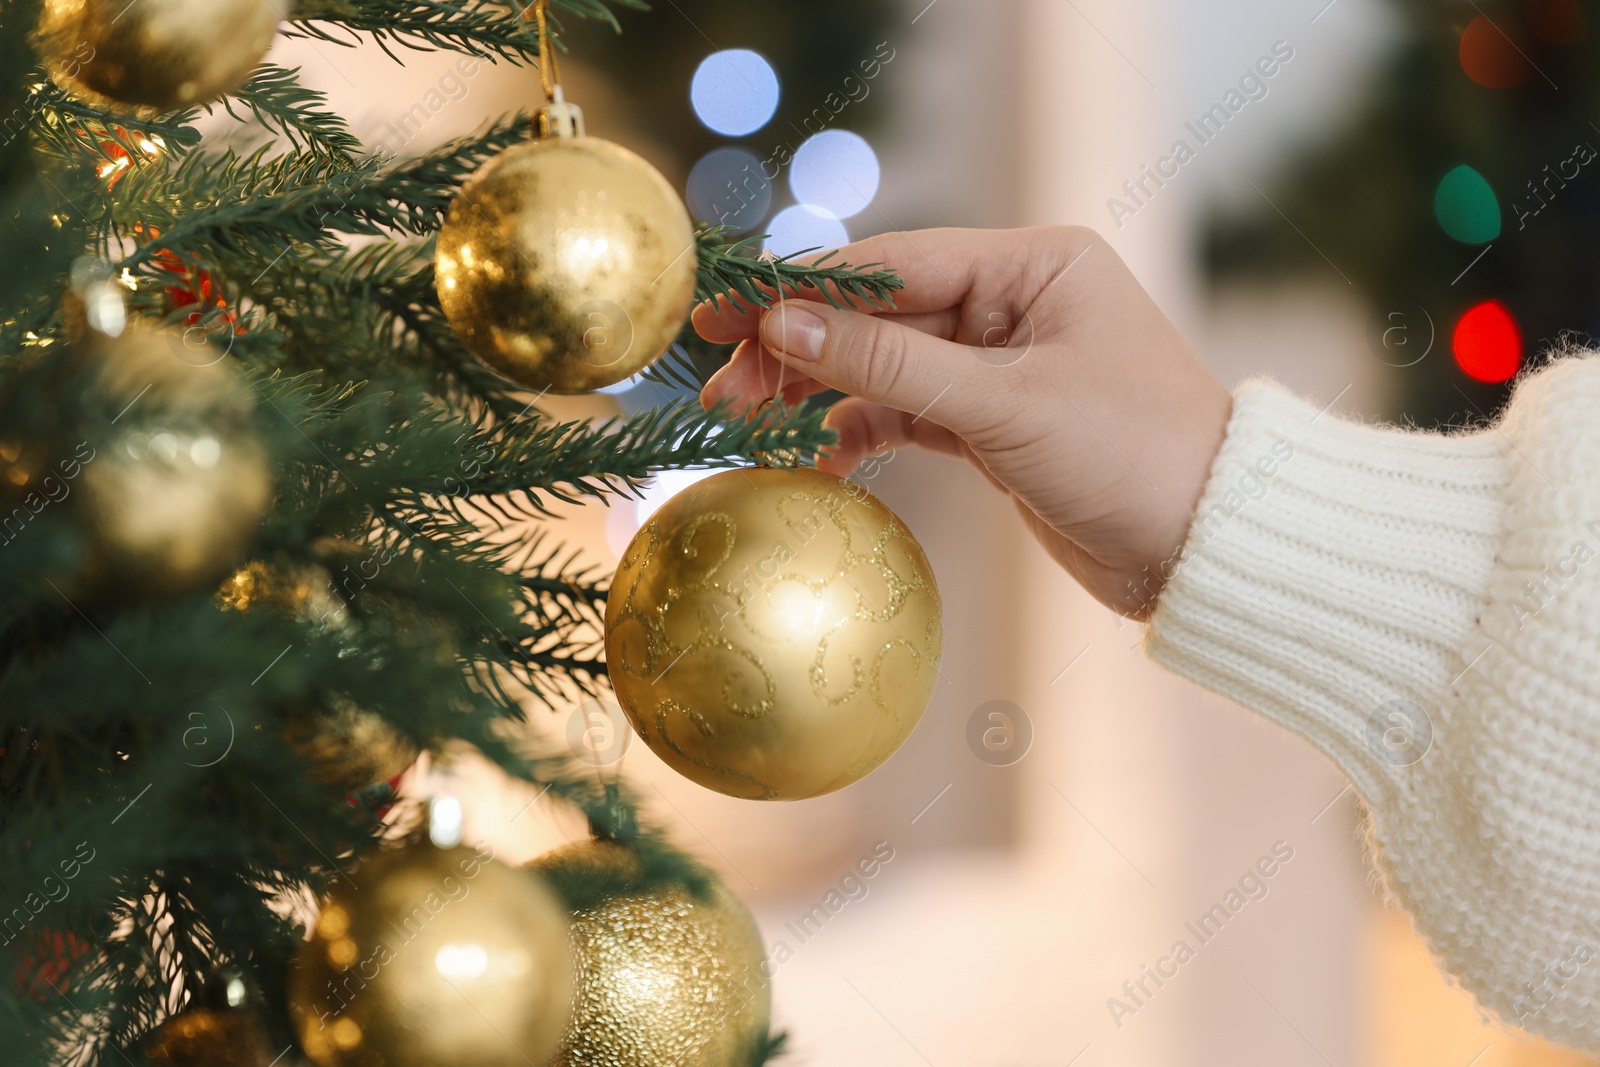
(413, 489)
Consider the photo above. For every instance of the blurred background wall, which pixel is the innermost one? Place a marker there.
(1030, 889)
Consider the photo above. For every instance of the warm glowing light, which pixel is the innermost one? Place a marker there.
(461, 961)
(1488, 343)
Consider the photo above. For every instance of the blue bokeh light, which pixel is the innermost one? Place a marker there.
(729, 188)
(735, 92)
(836, 170)
(802, 227)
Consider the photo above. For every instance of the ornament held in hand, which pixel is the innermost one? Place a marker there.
(567, 264)
(774, 634)
(429, 956)
(162, 54)
(663, 977)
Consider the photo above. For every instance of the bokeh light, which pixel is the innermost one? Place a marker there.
(1466, 206)
(1555, 21)
(735, 92)
(799, 228)
(1488, 343)
(729, 188)
(837, 171)
(1489, 57)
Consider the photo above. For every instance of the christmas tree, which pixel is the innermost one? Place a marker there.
(1458, 196)
(265, 505)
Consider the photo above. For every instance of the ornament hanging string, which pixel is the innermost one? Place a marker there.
(549, 69)
(770, 259)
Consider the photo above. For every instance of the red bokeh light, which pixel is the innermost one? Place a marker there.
(1555, 21)
(1488, 343)
(1489, 57)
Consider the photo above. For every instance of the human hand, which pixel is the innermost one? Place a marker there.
(1034, 354)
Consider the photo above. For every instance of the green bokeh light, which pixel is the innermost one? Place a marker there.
(1466, 207)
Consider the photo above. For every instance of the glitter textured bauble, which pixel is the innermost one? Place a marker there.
(663, 977)
(152, 448)
(567, 264)
(162, 54)
(209, 1037)
(774, 634)
(430, 957)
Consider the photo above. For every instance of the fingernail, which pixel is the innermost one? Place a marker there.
(795, 331)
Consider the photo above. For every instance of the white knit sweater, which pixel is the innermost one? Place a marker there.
(1425, 609)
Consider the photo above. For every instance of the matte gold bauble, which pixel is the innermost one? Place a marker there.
(567, 264)
(209, 1037)
(349, 746)
(151, 446)
(432, 957)
(162, 54)
(663, 977)
(774, 634)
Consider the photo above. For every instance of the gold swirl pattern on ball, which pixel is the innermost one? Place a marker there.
(662, 977)
(774, 634)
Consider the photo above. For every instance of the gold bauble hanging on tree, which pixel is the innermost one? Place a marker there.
(427, 957)
(162, 54)
(152, 449)
(567, 264)
(663, 977)
(774, 634)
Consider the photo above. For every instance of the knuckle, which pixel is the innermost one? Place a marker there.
(881, 357)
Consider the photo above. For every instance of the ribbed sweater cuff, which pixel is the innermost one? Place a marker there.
(1334, 568)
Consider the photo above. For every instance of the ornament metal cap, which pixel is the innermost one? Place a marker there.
(559, 118)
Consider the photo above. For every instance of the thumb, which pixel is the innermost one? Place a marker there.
(879, 360)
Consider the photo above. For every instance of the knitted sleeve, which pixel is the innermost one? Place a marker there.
(1423, 609)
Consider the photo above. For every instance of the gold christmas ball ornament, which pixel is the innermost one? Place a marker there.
(209, 1037)
(663, 977)
(150, 447)
(567, 264)
(428, 957)
(162, 54)
(774, 634)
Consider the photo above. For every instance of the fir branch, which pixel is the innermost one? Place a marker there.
(726, 272)
(427, 184)
(476, 27)
(53, 109)
(535, 463)
(278, 101)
